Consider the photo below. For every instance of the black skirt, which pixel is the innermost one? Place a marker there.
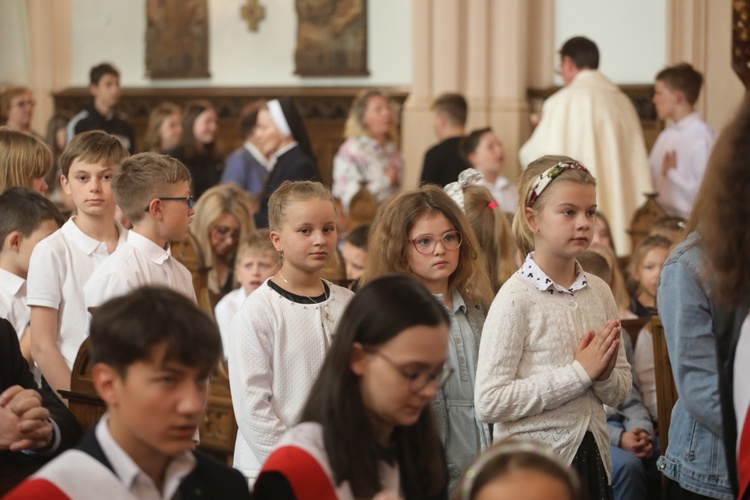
(590, 468)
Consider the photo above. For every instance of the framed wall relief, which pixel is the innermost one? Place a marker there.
(331, 38)
(177, 39)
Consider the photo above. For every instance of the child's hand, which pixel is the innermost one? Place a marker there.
(386, 495)
(638, 442)
(613, 360)
(595, 351)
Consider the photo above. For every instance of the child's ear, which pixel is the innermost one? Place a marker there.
(65, 185)
(107, 382)
(275, 240)
(357, 359)
(530, 214)
(472, 157)
(13, 241)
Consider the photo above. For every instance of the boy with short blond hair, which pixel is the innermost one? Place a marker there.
(153, 191)
(679, 157)
(152, 352)
(27, 218)
(61, 263)
(256, 261)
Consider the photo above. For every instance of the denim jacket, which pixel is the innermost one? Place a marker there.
(695, 457)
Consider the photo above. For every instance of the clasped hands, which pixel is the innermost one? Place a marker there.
(24, 422)
(597, 352)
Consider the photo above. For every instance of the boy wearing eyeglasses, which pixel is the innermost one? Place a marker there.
(153, 191)
(61, 263)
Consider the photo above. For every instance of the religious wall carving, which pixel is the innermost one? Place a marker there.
(331, 38)
(177, 38)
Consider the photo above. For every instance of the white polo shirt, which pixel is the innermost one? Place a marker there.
(137, 262)
(13, 301)
(60, 265)
(504, 192)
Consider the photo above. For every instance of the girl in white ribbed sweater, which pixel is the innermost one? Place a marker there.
(279, 338)
(549, 357)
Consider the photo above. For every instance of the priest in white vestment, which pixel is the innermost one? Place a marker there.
(594, 122)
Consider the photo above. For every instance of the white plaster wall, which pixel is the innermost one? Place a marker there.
(631, 35)
(14, 40)
(114, 31)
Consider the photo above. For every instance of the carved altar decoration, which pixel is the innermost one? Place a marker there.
(331, 38)
(741, 40)
(177, 38)
(253, 12)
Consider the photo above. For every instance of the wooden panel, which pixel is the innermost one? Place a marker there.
(323, 109)
(666, 392)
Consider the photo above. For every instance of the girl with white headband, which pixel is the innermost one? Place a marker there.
(549, 357)
(283, 139)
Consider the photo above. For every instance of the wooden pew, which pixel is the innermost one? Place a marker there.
(218, 430)
(666, 392)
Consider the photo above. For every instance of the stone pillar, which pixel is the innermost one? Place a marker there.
(50, 63)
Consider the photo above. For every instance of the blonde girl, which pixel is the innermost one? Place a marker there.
(24, 161)
(279, 338)
(644, 271)
(543, 373)
(223, 218)
(424, 234)
(489, 224)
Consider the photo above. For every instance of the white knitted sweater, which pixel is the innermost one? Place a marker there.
(276, 349)
(528, 382)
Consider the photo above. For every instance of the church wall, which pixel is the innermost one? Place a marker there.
(631, 35)
(114, 30)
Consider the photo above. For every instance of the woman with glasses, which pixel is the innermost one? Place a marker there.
(223, 218)
(364, 432)
(17, 109)
(424, 234)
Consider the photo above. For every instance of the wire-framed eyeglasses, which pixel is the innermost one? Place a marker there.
(189, 201)
(419, 379)
(425, 244)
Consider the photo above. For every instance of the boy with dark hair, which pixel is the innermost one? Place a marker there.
(27, 218)
(443, 162)
(153, 191)
(152, 353)
(61, 263)
(101, 114)
(246, 166)
(679, 157)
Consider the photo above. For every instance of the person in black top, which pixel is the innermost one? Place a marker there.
(443, 162)
(100, 114)
(196, 149)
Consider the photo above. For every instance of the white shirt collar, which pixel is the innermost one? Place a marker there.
(151, 250)
(686, 121)
(86, 243)
(534, 275)
(11, 282)
(131, 475)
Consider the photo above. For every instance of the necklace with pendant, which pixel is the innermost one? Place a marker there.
(323, 306)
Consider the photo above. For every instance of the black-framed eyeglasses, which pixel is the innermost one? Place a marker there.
(419, 379)
(451, 240)
(189, 201)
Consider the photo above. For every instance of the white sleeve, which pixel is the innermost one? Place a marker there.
(45, 277)
(251, 372)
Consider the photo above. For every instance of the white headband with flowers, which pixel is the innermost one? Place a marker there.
(455, 190)
(549, 175)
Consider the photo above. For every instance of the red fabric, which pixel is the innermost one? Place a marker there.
(306, 476)
(743, 457)
(36, 489)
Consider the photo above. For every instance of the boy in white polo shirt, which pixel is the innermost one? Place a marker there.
(27, 218)
(61, 263)
(153, 191)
